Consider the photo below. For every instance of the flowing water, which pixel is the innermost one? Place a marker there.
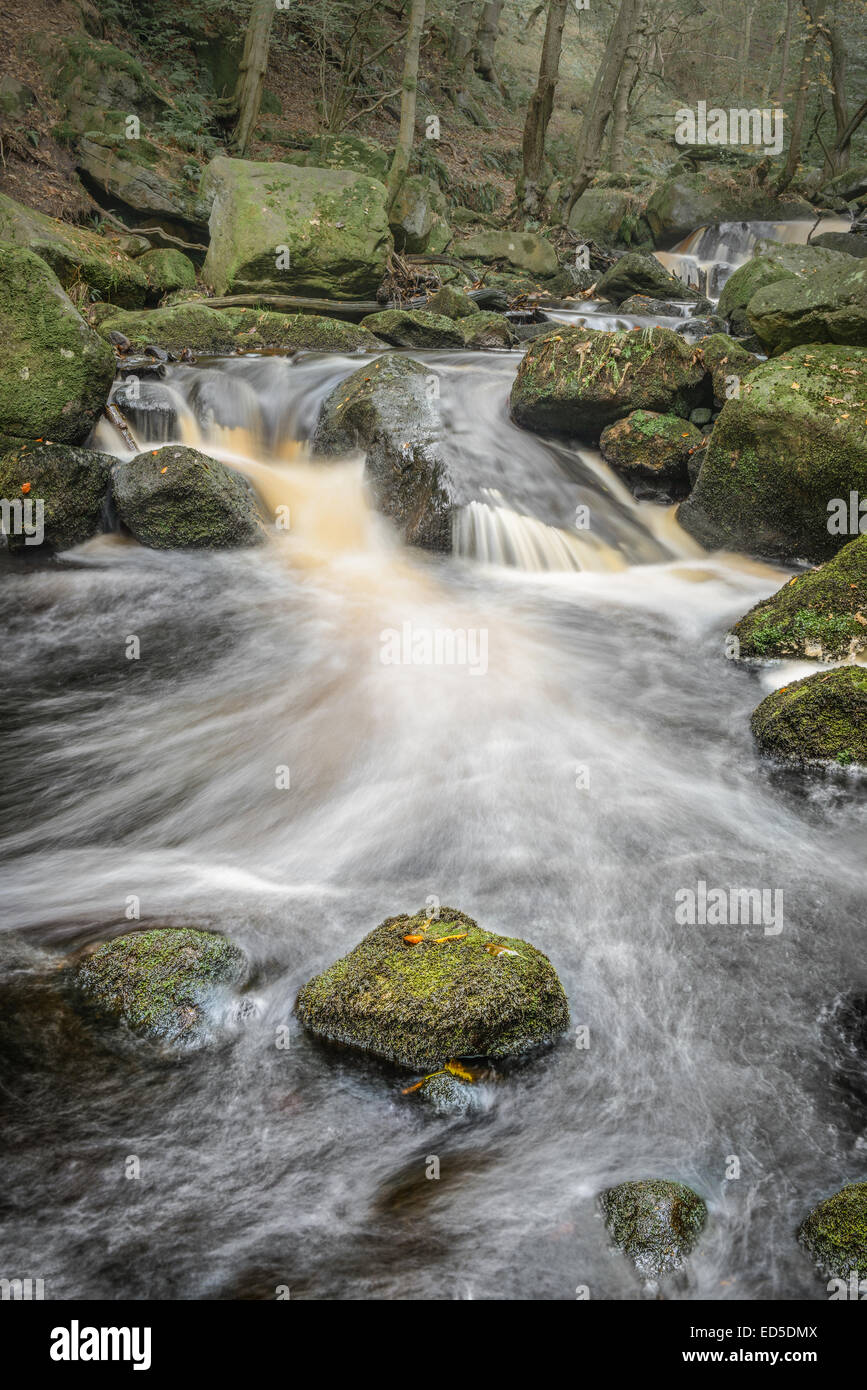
(708, 256)
(564, 790)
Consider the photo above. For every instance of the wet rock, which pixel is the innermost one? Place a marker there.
(451, 303)
(176, 498)
(769, 264)
(256, 329)
(425, 1001)
(695, 329)
(193, 325)
(149, 408)
(55, 372)
(850, 243)
(173, 328)
(387, 410)
(418, 328)
(578, 380)
(486, 330)
(656, 1223)
(835, 1232)
(641, 273)
(332, 223)
(820, 721)
(780, 453)
(450, 1094)
(652, 452)
(829, 306)
(526, 251)
(818, 616)
(696, 458)
(71, 485)
(75, 255)
(164, 984)
(659, 308)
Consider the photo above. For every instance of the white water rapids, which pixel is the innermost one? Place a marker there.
(156, 778)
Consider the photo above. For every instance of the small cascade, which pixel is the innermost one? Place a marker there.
(708, 256)
(489, 531)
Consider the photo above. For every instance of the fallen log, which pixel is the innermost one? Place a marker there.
(350, 309)
(120, 424)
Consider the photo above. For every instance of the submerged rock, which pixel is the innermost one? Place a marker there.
(835, 1232)
(418, 328)
(70, 484)
(578, 380)
(655, 1222)
(387, 409)
(421, 993)
(791, 443)
(176, 498)
(452, 1091)
(819, 616)
(55, 372)
(652, 452)
(163, 984)
(640, 273)
(815, 722)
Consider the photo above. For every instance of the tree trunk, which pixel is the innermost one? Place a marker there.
(600, 106)
(787, 45)
(486, 38)
(628, 74)
(251, 75)
(541, 106)
(745, 52)
(461, 37)
(838, 156)
(814, 18)
(403, 150)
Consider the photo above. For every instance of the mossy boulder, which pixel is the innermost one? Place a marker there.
(77, 257)
(818, 616)
(818, 721)
(418, 217)
(835, 1232)
(486, 330)
(97, 84)
(55, 372)
(578, 380)
(527, 251)
(828, 307)
(387, 410)
(166, 984)
(175, 498)
(348, 152)
(779, 454)
(451, 303)
(850, 243)
(657, 1223)
(193, 325)
(258, 328)
(769, 264)
(728, 364)
(168, 270)
(652, 452)
(305, 231)
(70, 483)
(142, 176)
(641, 273)
(429, 1000)
(417, 328)
(610, 217)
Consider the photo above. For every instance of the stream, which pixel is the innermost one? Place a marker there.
(600, 763)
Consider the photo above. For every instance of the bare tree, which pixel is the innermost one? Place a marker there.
(625, 85)
(251, 74)
(540, 107)
(600, 106)
(461, 38)
(791, 10)
(486, 38)
(814, 11)
(403, 150)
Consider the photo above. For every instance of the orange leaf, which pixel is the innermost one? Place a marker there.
(25, 488)
(413, 940)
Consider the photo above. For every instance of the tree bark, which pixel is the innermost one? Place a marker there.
(486, 38)
(814, 18)
(628, 74)
(540, 107)
(600, 106)
(403, 150)
(461, 37)
(251, 75)
(745, 52)
(838, 156)
(791, 7)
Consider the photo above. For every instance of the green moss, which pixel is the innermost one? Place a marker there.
(486, 330)
(55, 372)
(83, 261)
(835, 1232)
(176, 498)
(724, 358)
(414, 328)
(827, 307)
(769, 265)
(168, 270)
(820, 720)
(72, 485)
(821, 615)
(426, 1003)
(652, 452)
(161, 983)
(655, 1222)
(779, 455)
